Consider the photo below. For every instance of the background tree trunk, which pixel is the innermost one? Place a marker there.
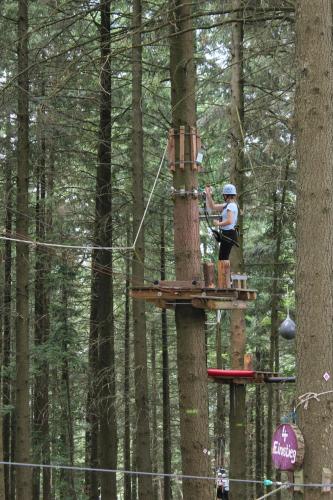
(23, 438)
(237, 318)
(7, 391)
(42, 326)
(127, 395)
(104, 285)
(314, 293)
(165, 376)
(143, 440)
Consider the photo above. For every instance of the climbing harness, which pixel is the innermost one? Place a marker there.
(218, 235)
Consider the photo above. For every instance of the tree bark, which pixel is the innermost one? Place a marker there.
(259, 410)
(7, 391)
(190, 323)
(67, 485)
(237, 318)
(153, 398)
(23, 438)
(42, 327)
(104, 280)
(127, 395)
(314, 268)
(143, 453)
(220, 402)
(165, 377)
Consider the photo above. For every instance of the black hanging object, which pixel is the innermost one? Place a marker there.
(287, 329)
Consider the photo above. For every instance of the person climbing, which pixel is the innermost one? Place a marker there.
(225, 487)
(228, 218)
(222, 486)
(219, 485)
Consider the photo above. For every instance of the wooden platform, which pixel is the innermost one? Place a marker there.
(245, 377)
(168, 294)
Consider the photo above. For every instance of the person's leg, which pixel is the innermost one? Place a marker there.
(227, 244)
(225, 249)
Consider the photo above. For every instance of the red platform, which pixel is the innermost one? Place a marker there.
(239, 376)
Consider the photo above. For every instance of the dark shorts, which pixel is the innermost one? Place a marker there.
(227, 243)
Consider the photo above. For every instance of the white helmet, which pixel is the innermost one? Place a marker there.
(229, 189)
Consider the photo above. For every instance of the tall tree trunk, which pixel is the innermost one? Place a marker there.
(127, 395)
(143, 454)
(153, 398)
(22, 449)
(91, 478)
(238, 336)
(67, 485)
(277, 234)
(42, 326)
(7, 314)
(104, 286)
(220, 398)
(314, 264)
(165, 376)
(190, 323)
(258, 422)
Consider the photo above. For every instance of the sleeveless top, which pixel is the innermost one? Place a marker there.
(232, 206)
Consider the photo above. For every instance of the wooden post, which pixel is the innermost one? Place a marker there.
(193, 148)
(223, 274)
(248, 361)
(171, 149)
(208, 270)
(181, 146)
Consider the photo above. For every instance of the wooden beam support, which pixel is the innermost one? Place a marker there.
(215, 305)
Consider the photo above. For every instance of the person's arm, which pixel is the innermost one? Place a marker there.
(210, 203)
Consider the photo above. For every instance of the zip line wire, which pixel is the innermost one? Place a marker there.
(91, 247)
(175, 476)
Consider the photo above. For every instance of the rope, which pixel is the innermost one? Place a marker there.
(90, 248)
(60, 245)
(150, 196)
(304, 399)
(283, 486)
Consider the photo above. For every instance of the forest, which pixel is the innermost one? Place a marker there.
(104, 392)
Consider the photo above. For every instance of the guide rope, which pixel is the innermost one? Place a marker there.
(282, 487)
(90, 248)
(304, 399)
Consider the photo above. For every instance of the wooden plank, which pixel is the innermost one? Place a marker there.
(238, 276)
(179, 284)
(246, 294)
(215, 305)
(181, 147)
(199, 145)
(163, 304)
(193, 148)
(171, 150)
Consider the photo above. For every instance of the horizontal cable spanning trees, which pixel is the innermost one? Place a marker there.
(64, 103)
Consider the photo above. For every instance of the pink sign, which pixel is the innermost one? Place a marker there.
(287, 447)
